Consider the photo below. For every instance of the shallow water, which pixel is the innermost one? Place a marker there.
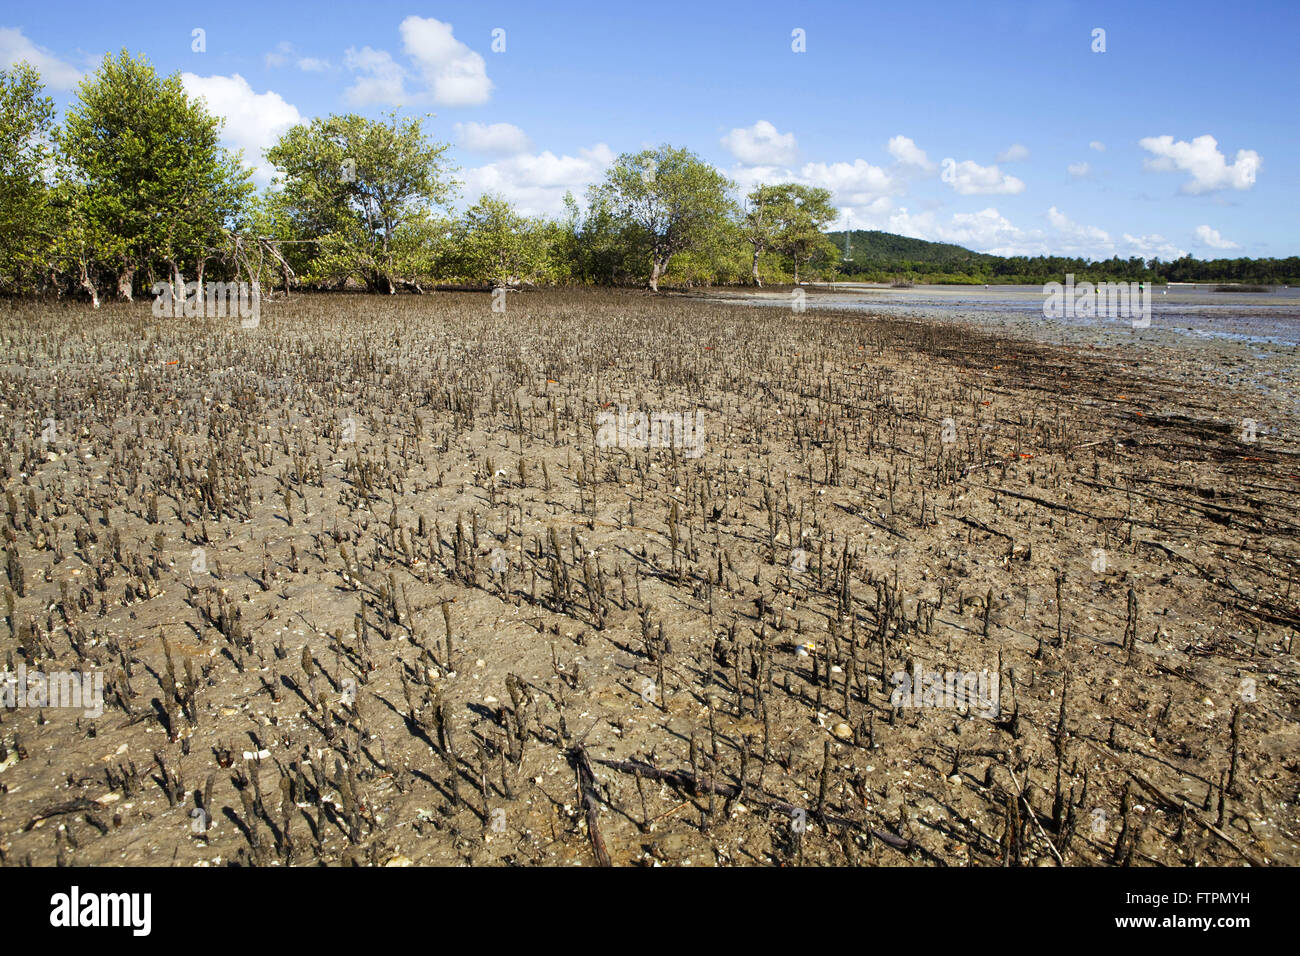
(1269, 318)
(1251, 339)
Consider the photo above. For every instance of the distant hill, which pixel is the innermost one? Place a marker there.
(872, 249)
(876, 256)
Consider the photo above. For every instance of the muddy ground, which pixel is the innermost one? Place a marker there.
(367, 584)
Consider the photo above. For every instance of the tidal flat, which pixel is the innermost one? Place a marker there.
(366, 586)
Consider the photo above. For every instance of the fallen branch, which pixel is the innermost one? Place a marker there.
(590, 802)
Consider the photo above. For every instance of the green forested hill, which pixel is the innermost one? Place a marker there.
(875, 256)
(874, 249)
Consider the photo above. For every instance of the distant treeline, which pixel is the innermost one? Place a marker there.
(133, 194)
(872, 256)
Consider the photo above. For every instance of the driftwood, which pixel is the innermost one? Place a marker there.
(981, 526)
(874, 524)
(61, 809)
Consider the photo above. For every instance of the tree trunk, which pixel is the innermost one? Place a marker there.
(178, 290)
(757, 281)
(125, 279)
(657, 268)
(381, 282)
(89, 286)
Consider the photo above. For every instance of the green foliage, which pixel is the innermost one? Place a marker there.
(358, 191)
(672, 198)
(802, 215)
(144, 174)
(499, 245)
(26, 118)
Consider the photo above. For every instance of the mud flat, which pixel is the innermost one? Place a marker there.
(368, 583)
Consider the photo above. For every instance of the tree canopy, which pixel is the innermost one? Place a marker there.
(677, 201)
(353, 186)
(143, 171)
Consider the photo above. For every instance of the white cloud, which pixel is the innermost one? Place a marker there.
(381, 81)
(284, 52)
(989, 231)
(983, 231)
(55, 74)
(856, 183)
(1013, 154)
(1079, 170)
(971, 179)
(279, 56)
(1201, 158)
(454, 74)
(254, 121)
(1076, 239)
(1212, 238)
(857, 187)
(1151, 246)
(761, 145)
(870, 215)
(536, 183)
(1098, 145)
(903, 149)
(492, 138)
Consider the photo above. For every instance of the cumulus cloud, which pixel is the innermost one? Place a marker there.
(1073, 238)
(858, 187)
(903, 149)
(1150, 246)
(761, 145)
(989, 231)
(311, 64)
(1079, 170)
(855, 183)
(453, 73)
(1013, 154)
(536, 182)
(448, 71)
(1201, 159)
(381, 79)
(869, 215)
(984, 231)
(1212, 238)
(254, 121)
(55, 73)
(503, 138)
(1098, 145)
(971, 179)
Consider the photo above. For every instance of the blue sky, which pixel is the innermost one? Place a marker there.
(991, 124)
